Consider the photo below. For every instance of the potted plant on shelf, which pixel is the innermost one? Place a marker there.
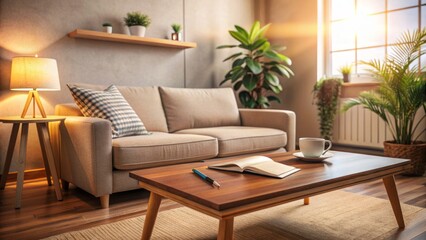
(256, 67)
(176, 35)
(326, 95)
(400, 96)
(346, 71)
(137, 23)
(107, 27)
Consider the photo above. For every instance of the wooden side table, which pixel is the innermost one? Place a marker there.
(46, 149)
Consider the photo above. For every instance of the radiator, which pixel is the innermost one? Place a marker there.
(360, 127)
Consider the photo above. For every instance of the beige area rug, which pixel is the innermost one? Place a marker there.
(335, 215)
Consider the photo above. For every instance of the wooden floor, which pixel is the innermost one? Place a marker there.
(41, 215)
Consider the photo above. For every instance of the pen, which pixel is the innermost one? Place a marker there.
(205, 177)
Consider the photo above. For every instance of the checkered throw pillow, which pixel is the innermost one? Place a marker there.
(111, 105)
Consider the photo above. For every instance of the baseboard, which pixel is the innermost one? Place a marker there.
(28, 174)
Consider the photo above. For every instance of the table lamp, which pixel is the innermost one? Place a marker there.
(34, 74)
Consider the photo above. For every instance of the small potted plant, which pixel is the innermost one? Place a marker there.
(107, 27)
(137, 23)
(346, 71)
(176, 35)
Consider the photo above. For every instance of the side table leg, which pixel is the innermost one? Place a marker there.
(43, 152)
(151, 215)
(21, 166)
(9, 155)
(50, 159)
(226, 229)
(394, 199)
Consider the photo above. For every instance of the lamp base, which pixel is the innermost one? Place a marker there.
(35, 98)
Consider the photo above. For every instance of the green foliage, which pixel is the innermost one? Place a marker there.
(326, 95)
(107, 25)
(402, 90)
(176, 27)
(345, 69)
(256, 67)
(137, 19)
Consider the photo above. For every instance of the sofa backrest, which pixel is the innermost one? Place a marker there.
(198, 108)
(145, 101)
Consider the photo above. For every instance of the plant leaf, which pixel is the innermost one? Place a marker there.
(254, 66)
(276, 89)
(238, 62)
(249, 82)
(232, 56)
(242, 31)
(224, 81)
(246, 99)
(226, 46)
(237, 85)
(257, 44)
(262, 31)
(274, 98)
(239, 37)
(272, 79)
(254, 31)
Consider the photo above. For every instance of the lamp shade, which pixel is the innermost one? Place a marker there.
(30, 73)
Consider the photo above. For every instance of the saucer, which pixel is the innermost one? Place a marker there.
(313, 159)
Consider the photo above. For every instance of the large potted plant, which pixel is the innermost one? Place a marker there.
(399, 98)
(256, 67)
(137, 23)
(326, 96)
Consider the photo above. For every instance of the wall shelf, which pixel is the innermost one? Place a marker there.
(123, 38)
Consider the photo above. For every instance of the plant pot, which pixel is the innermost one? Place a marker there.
(415, 152)
(137, 30)
(126, 30)
(108, 29)
(346, 77)
(176, 36)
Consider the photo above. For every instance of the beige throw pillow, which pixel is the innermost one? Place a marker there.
(198, 108)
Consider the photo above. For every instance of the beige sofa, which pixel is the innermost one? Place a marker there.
(186, 124)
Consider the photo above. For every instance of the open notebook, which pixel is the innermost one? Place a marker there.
(257, 164)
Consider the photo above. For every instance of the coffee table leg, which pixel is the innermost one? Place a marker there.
(306, 201)
(151, 215)
(394, 199)
(226, 229)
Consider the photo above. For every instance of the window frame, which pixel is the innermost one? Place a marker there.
(327, 23)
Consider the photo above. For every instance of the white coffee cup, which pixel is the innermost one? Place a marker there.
(313, 147)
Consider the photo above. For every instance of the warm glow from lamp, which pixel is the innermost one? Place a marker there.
(34, 74)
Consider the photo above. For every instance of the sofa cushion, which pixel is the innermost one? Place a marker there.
(236, 140)
(146, 102)
(159, 149)
(199, 108)
(109, 104)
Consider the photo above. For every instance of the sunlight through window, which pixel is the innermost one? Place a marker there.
(362, 30)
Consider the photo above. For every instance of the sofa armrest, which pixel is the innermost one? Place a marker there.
(85, 153)
(279, 119)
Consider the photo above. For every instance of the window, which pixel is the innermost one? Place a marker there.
(366, 29)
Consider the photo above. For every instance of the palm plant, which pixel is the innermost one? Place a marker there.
(256, 68)
(402, 89)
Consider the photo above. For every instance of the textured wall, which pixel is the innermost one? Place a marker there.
(28, 27)
(296, 27)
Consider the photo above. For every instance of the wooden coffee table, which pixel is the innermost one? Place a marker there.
(244, 193)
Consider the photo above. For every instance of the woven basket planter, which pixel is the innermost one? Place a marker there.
(416, 152)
